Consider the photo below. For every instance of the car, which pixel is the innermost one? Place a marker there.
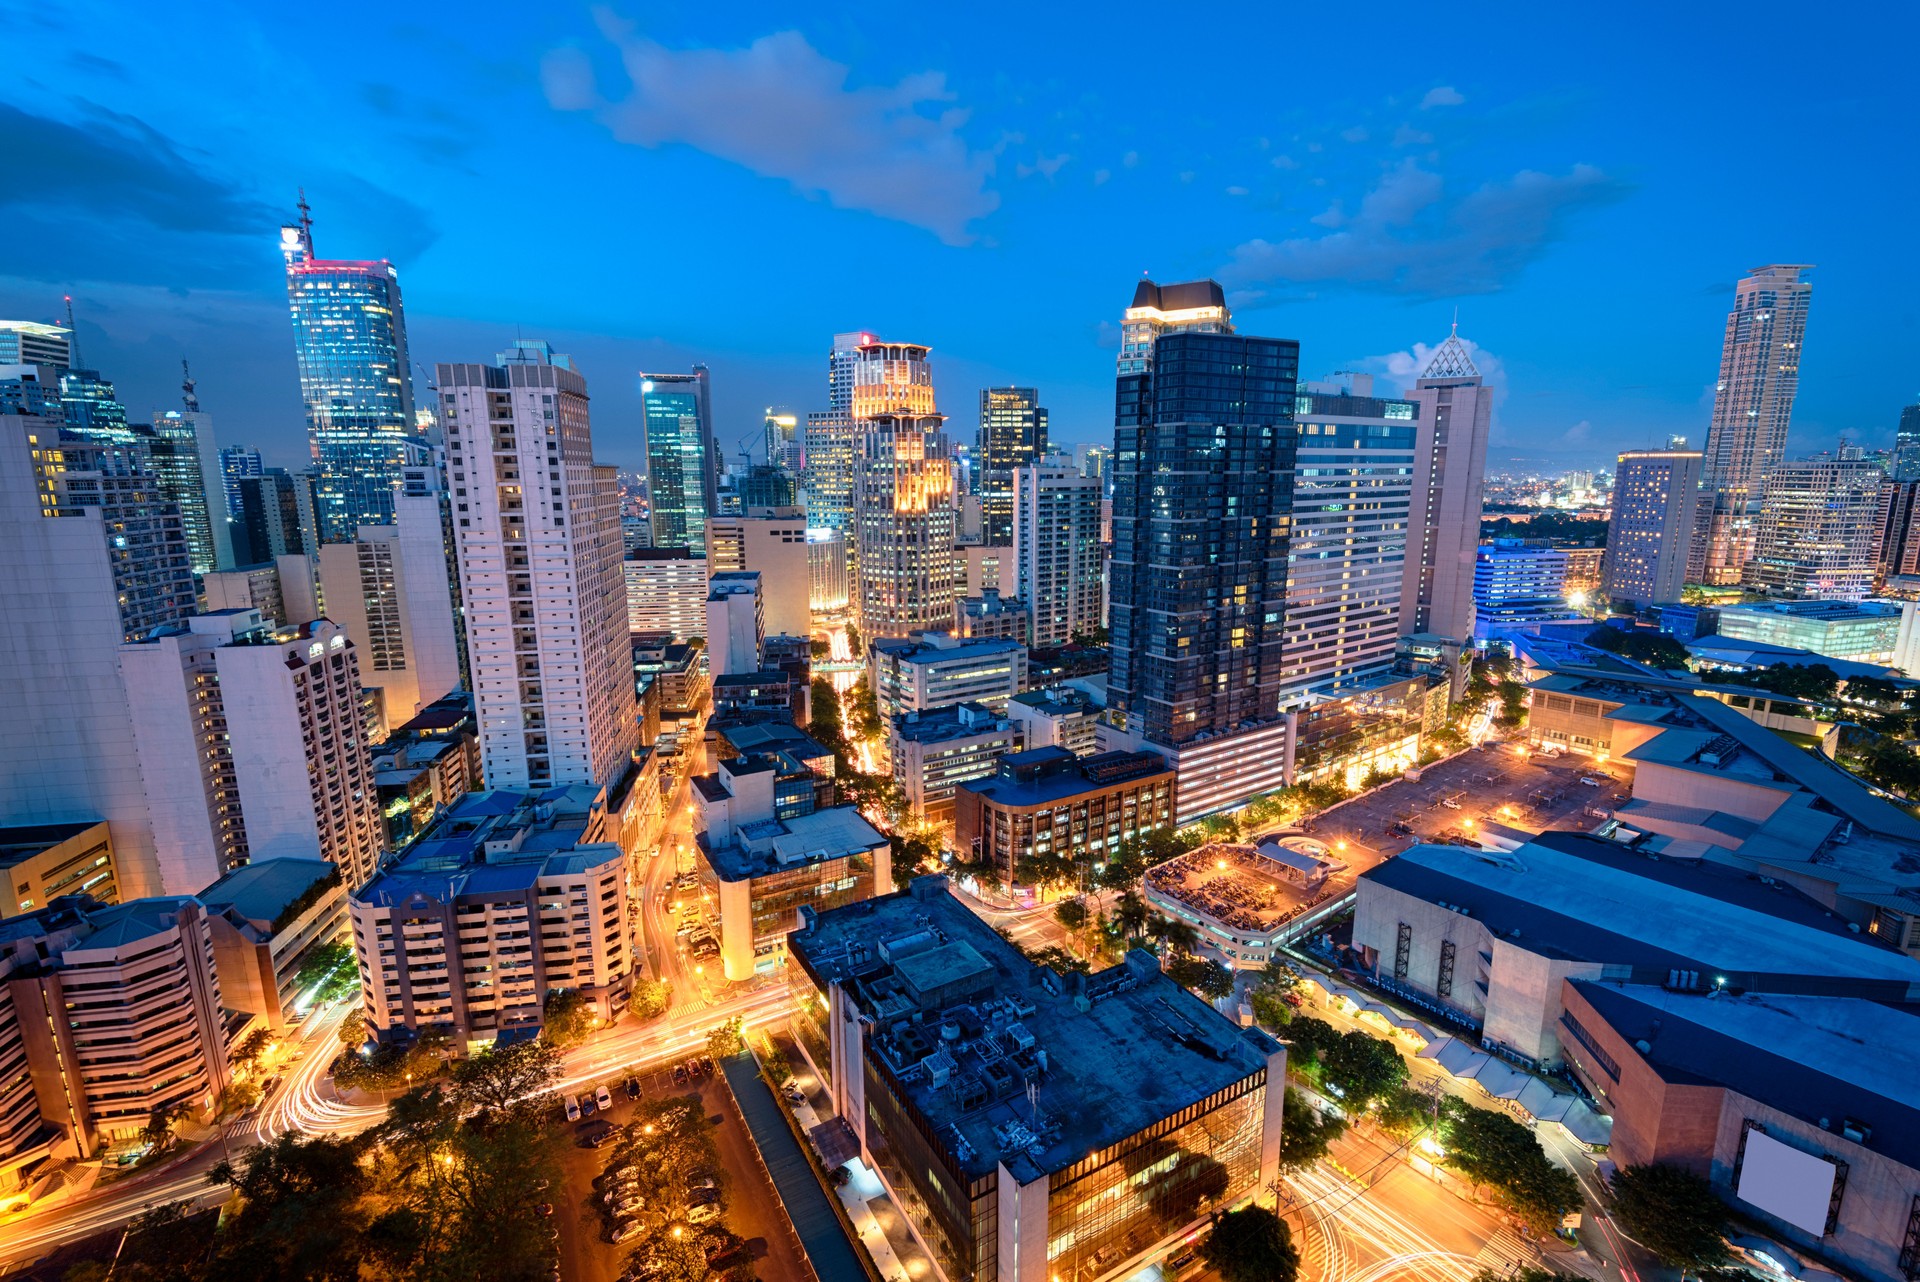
(706, 1063)
(543, 1208)
(587, 1105)
(703, 1214)
(633, 1088)
(573, 1108)
(701, 1184)
(679, 1074)
(603, 1098)
(626, 1229)
(794, 1095)
(1403, 829)
(1449, 803)
(1591, 782)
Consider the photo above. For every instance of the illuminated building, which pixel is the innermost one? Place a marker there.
(933, 751)
(772, 542)
(1050, 803)
(903, 562)
(229, 718)
(1518, 586)
(146, 539)
(786, 441)
(1656, 496)
(350, 340)
(765, 485)
(279, 515)
(1752, 403)
(912, 674)
(1195, 306)
(1056, 550)
(1034, 1142)
(268, 920)
(92, 412)
(680, 476)
(1013, 434)
(537, 525)
(1906, 444)
(666, 591)
(237, 462)
(34, 343)
(188, 468)
(1816, 533)
(1449, 478)
(1583, 573)
(45, 861)
(829, 582)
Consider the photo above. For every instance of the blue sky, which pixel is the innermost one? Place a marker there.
(651, 186)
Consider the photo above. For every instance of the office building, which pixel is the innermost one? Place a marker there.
(538, 532)
(1041, 1143)
(770, 542)
(682, 478)
(1584, 566)
(758, 868)
(904, 527)
(350, 340)
(736, 624)
(829, 577)
(91, 410)
(191, 473)
(390, 589)
(1449, 472)
(446, 934)
(1906, 444)
(42, 862)
(990, 616)
(1013, 434)
(1352, 499)
(934, 751)
(1051, 802)
(237, 462)
(1852, 631)
(1517, 586)
(109, 1014)
(1752, 404)
(978, 569)
(911, 674)
(1656, 497)
(1058, 561)
(666, 591)
(62, 678)
(1204, 445)
(1057, 717)
(786, 442)
(1816, 533)
(1195, 306)
(35, 343)
(1898, 538)
(766, 486)
(146, 539)
(267, 921)
(279, 516)
(252, 746)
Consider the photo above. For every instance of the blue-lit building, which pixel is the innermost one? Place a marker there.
(680, 475)
(237, 462)
(1518, 586)
(350, 339)
(92, 411)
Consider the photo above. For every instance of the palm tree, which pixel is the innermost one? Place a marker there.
(1177, 935)
(159, 1130)
(1130, 915)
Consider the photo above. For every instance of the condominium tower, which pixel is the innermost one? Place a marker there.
(1656, 494)
(1752, 403)
(1449, 474)
(905, 526)
(1056, 550)
(1817, 531)
(537, 528)
(350, 339)
(1013, 433)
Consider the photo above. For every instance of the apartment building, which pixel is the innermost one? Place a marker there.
(1049, 802)
(267, 921)
(42, 862)
(931, 669)
(935, 751)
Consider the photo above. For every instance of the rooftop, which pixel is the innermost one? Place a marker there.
(1829, 1059)
(950, 721)
(1819, 611)
(942, 647)
(261, 891)
(20, 842)
(497, 841)
(1040, 776)
(1571, 896)
(1005, 1060)
(774, 845)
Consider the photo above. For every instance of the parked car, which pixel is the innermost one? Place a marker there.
(623, 1231)
(587, 1105)
(1449, 803)
(1591, 782)
(679, 1074)
(701, 1184)
(573, 1108)
(703, 1214)
(633, 1088)
(603, 1098)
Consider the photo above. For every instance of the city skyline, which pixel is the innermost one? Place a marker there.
(1355, 229)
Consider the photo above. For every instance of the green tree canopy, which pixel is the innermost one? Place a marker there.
(1362, 1068)
(1305, 1134)
(1494, 1151)
(1673, 1213)
(1071, 913)
(1252, 1245)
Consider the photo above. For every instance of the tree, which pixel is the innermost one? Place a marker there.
(236, 1097)
(332, 970)
(1131, 915)
(299, 1211)
(252, 1048)
(1204, 976)
(567, 1018)
(1527, 1273)
(1309, 1038)
(1252, 1245)
(1673, 1213)
(1270, 1008)
(1493, 1150)
(159, 1128)
(1362, 1068)
(867, 722)
(1305, 1134)
(853, 644)
(1053, 868)
(774, 1064)
(353, 1030)
(1059, 960)
(650, 1000)
(724, 1039)
(1071, 913)
(509, 1079)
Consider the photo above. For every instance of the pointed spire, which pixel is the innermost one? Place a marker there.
(187, 395)
(306, 219)
(1451, 359)
(73, 336)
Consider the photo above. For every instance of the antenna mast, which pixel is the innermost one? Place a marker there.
(306, 220)
(73, 336)
(187, 394)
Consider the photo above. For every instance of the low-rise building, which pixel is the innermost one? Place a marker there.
(766, 690)
(509, 897)
(764, 852)
(42, 862)
(935, 751)
(425, 765)
(1050, 803)
(1875, 632)
(1032, 1125)
(1518, 586)
(990, 615)
(933, 669)
(1241, 897)
(1056, 717)
(268, 919)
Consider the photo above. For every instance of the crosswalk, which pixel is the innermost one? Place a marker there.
(1505, 1251)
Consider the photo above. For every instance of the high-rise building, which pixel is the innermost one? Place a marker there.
(350, 339)
(1352, 508)
(61, 680)
(278, 517)
(1816, 531)
(538, 534)
(1656, 495)
(681, 477)
(389, 589)
(1056, 550)
(1203, 468)
(829, 583)
(1095, 461)
(1752, 403)
(1899, 538)
(34, 343)
(765, 485)
(666, 591)
(188, 465)
(1194, 306)
(1906, 445)
(285, 590)
(1013, 433)
(1449, 474)
(736, 624)
(771, 542)
(237, 462)
(903, 563)
(146, 539)
(92, 409)
(1517, 586)
(831, 438)
(786, 441)
(252, 746)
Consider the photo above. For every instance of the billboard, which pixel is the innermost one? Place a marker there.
(1783, 1181)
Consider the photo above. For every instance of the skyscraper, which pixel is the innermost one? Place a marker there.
(736, 623)
(1656, 494)
(1817, 531)
(904, 524)
(34, 343)
(1056, 550)
(1449, 475)
(1013, 433)
(93, 410)
(188, 464)
(237, 462)
(146, 540)
(786, 442)
(1906, 445)
(680, 475)
(1195, 306)
(350, 340)
(538, 532)
(278, 516)
(1204, 443)
(1752, 403)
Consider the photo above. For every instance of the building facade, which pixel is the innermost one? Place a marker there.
(42, 862)
(1656, 499)
(1051, 803)
(912, 674)
(666, 591)
(1058, 558)
(146, 538)
(1816, 532)
(537, 527)
(1449, 476)
(771, 542)
(935, 751)
(681, 478)
(1013, 434)
(904, 523)
(736, 624)
(1517, 586)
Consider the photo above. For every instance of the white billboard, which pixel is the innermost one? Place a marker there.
(1783, 1181)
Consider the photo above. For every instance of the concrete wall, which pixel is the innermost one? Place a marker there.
(1022, 1229)
(1749, 800)
(1378, 912)
(1523, 1001)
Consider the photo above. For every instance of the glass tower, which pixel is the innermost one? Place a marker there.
(680, 477)
(350, 339)
(93, 413)
(1013, 433)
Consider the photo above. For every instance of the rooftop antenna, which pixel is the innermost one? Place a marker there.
(73, 336)
(187, 395)
(1456, 320)
(306, 220)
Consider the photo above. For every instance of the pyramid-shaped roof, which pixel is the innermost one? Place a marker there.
(1451, 359)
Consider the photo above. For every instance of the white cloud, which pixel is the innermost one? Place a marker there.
(1100, 177)
(1442, 96)
(1285, 162)
(1331, 216)
(1402, 368)
(1356, 134)
(1408, 136)
(1043, 165)
(1237, 191)
(1131, 159)
(783, 110)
